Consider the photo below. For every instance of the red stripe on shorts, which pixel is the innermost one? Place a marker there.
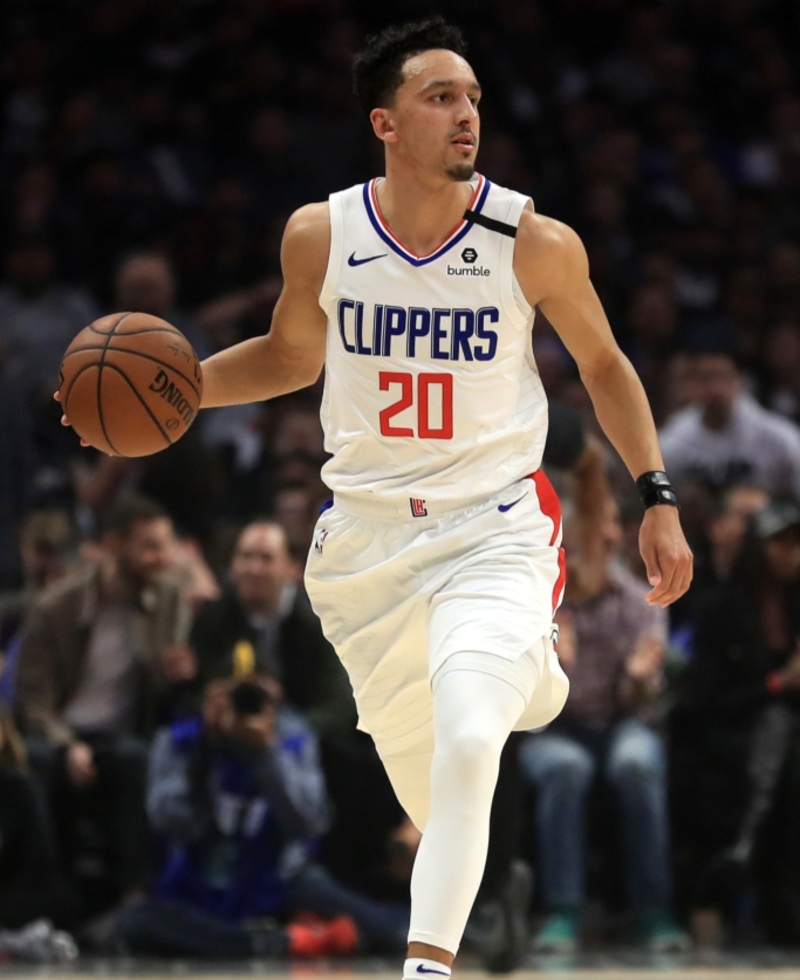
(551, 507)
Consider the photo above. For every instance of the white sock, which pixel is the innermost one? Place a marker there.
(418, 968)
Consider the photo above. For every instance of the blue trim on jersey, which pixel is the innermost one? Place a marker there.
(439, 252)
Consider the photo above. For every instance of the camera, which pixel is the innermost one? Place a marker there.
(249, 699)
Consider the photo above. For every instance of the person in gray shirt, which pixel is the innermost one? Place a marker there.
(727, 438)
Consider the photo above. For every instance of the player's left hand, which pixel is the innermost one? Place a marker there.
(65, 420)
(666, 555)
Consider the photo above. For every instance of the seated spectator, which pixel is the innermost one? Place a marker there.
(727, 437)
(94, 666)
(264, 622)
(498, 927)
(296, 510)
(612, 645)
(145, 282)
(240, 798)
(32, 885)
(39, 316)
(187, 480)
(715, 565)
(46, 541)
(735, 728)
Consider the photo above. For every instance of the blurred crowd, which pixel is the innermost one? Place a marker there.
(179, 764)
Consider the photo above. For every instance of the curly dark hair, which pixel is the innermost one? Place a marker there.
(378, 69)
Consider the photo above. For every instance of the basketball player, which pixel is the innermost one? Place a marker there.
(437, 566)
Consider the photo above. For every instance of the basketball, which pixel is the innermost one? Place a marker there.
(130, 384)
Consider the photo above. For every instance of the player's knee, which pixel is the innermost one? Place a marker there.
(472, 754)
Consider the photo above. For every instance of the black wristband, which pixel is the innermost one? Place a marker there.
(654, 488)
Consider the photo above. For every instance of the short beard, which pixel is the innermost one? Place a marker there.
(461, 171)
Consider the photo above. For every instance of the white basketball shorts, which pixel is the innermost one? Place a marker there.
(401, 587)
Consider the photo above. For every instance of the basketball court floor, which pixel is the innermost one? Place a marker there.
(762, 964)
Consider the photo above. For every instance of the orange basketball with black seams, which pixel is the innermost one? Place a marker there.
(130, 384)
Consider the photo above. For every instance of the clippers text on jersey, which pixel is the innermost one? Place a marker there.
(444, 334)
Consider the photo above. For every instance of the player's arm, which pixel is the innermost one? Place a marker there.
(553, 270)
(291, 355)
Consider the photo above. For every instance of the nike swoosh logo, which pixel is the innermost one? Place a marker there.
(354, 261)
(424, 969)
(504, 507)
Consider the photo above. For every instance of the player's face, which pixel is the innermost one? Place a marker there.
(433, 124)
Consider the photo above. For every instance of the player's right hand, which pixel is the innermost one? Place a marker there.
(65, 420)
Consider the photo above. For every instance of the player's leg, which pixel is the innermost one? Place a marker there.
(474, 712)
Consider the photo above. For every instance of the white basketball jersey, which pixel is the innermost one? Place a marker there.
(431, 388)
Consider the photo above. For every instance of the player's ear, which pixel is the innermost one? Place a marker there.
(383, 125)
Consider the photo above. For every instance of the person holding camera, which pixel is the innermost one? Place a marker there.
(239, 796)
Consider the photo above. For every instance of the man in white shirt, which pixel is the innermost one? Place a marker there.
(726, 437)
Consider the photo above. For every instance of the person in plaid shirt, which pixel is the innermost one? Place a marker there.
(611, 646)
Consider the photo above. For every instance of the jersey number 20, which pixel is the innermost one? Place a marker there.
(424, 384)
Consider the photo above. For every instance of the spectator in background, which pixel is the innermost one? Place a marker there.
(736, 739)
(782, 364)
(187, 480)
(297, 509)
(46, 545)
(263, 622)
(18, 455)
(32, 885)
(94, 666)
(612, 646)
(727, 437)
(498, 927)
(145, 282)
(714, 566)
(240, 797)
(38, 315)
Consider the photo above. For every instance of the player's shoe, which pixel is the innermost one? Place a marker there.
(559, 934)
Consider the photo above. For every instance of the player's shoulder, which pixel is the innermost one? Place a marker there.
(543, 236)
(548, 254)
(306, 239)
(308, 224)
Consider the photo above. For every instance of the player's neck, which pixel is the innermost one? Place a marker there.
(421, 213)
